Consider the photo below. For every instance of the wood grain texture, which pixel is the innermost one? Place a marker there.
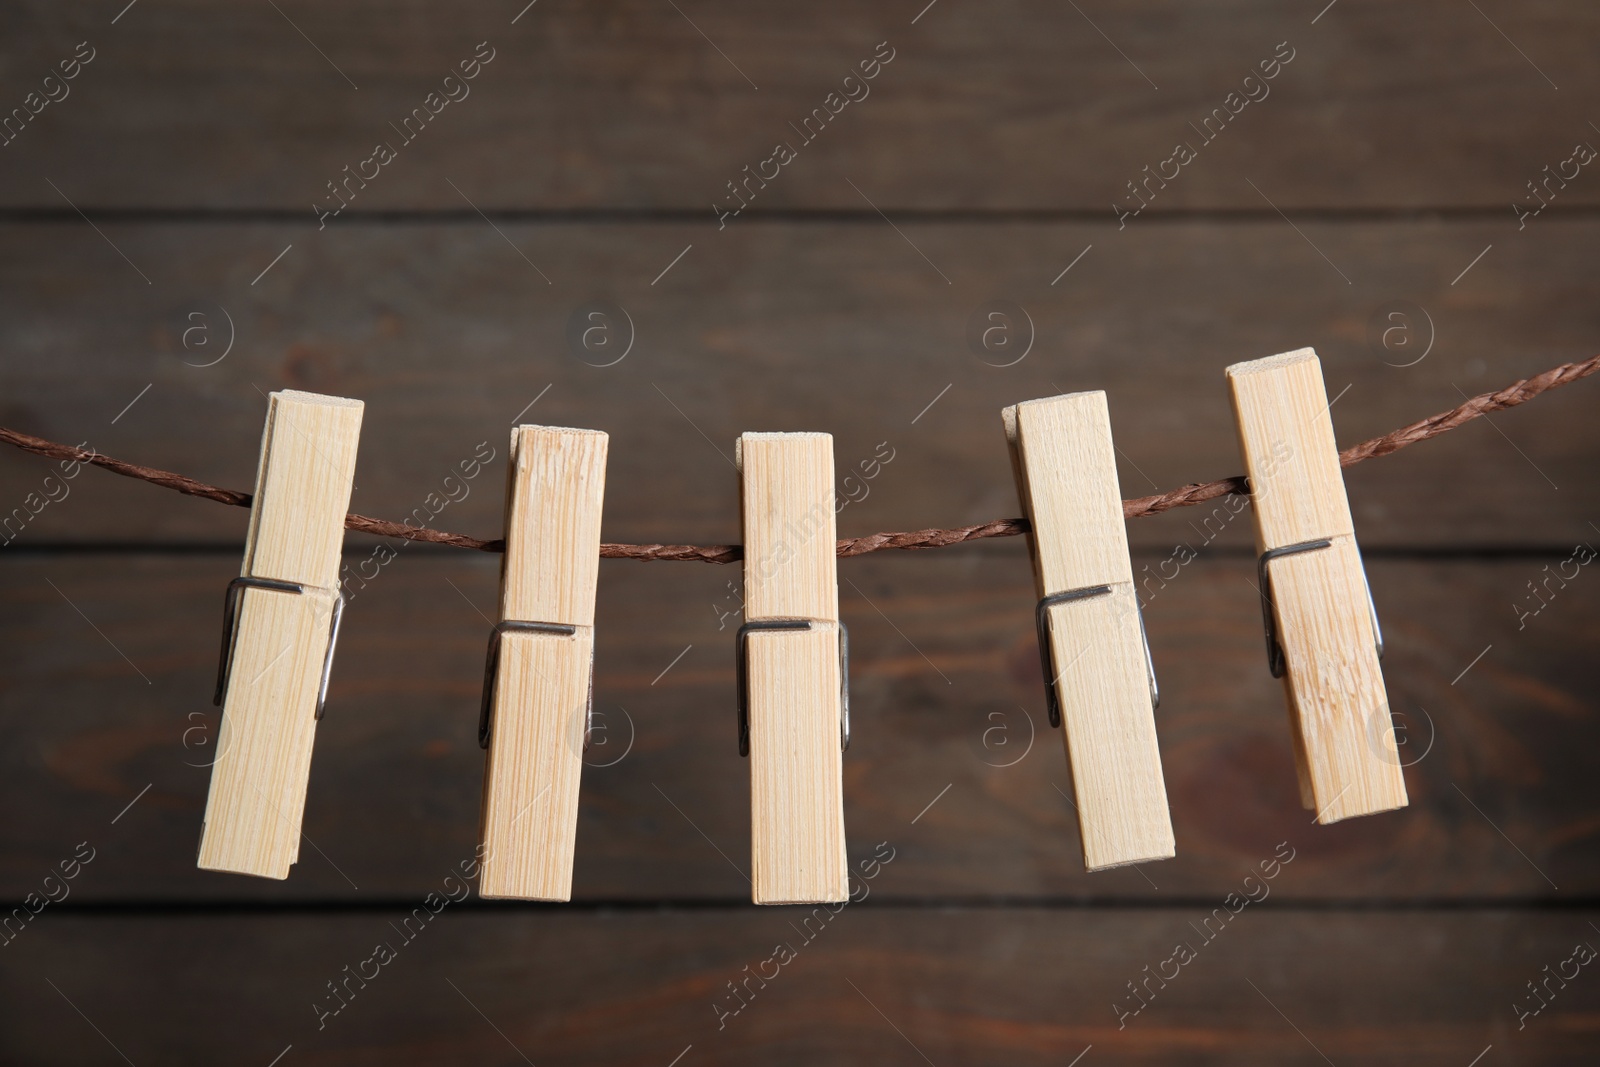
(398, 772)
(302, 490)
(1339, 711)
(366, 312)
(280, 643)
(786, 501)
(194, 104)
(1387, 165)
(1067, 482)
(556, 480)
(542, 684)
(797, 840)
(871, 985)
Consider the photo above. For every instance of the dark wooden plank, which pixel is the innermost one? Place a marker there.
(1014, 107)
(945, 693)
(448, 335)
(872, 985)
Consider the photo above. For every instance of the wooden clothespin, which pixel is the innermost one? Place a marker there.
(1322, 629)
(1099, 682)
(538, 687)
(793, 670)
(280, 623)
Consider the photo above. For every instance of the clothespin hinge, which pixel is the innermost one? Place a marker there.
(1041, 617)
(1275, 662)
(230, 620)
(486, 712)
(743, 681)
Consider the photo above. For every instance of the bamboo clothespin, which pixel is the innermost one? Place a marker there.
(280, 624)
(793, 670)
(1322, 629)
(539, 680)
(1099, 682)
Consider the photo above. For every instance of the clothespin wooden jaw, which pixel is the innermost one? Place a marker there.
(280, 622)
(792, 669)
(1099, 681)
(539, 678)
(1322, 630)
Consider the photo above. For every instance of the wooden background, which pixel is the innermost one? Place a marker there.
(137, 217)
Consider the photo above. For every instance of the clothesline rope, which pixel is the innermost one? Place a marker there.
(1197, 493)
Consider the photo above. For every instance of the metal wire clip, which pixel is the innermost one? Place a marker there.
(1041, 619)
(1275, 662)
(230, 621)
(485, 714)
(743, 681)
